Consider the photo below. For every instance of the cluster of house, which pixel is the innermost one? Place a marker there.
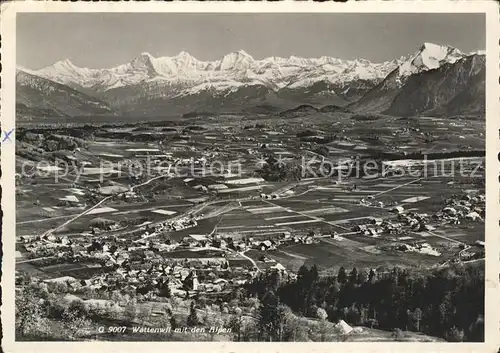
(144, 269)
(98, 225)
(158, 160)
(154, 280)
(423, 248)
(369, 201)
(471, 255)
(178, 224)
(260, 244)
(269, 196)
(377, 226)
(470, 207)
(111, 252)
(417, 222)
(467, 207)
(131, 195)
(48, 247)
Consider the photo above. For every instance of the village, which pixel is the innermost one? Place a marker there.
(205, 212)
(154, 265)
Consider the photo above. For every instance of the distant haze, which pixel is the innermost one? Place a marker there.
(105, 40)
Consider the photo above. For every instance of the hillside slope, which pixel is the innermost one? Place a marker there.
(451, 89)
(429, 57)
(37, 96)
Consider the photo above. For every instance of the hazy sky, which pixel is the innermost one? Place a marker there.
(105, 40)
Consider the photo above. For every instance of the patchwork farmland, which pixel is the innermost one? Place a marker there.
(232, 201)
(132, 209)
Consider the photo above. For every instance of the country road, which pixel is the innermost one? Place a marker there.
(35, 259)
(242, 253)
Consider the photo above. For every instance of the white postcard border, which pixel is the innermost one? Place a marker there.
(8, 61)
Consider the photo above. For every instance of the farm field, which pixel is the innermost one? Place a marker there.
(227, 198)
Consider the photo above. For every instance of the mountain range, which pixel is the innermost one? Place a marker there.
(435, 78)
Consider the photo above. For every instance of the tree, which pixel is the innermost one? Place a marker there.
(322, 326)
(269, 316)
(114, 311)
(303, 274)
(273, 281)
(250, 331)
(126, 298)
(165, 291)
(454, 335)
(164, 320)
(130, 312)
(444, 310)
(89, 292)
(75, 323)
(295, 330)
(173, 323)
(372, 323)
(363, 313)
(321, 314)
(61, 287)
(476, 330)
(353, 276)
(78, 307)
(212, 321)
(116, 297)
(372, 277)
(398, 335)
(283, 318)
(235, 324)
(323, 330)
(143, 314)
(192, 319)
(417, 316)
(30, 318)
(342, 276)
(362, 277)
(313, 274)
(238, 294)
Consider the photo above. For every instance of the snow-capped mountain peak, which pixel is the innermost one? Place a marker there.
(145, 63)
(183, 72)
(65, 64)
(144, 58)
(238, 60)
(429, 56)
(243, 53)
(184, 55)
(238, 66)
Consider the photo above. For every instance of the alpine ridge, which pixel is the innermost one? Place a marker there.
(37, 96)
(429, 57)
(180, 84)
(233, 68)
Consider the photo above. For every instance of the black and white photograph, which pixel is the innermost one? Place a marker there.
(250, 177)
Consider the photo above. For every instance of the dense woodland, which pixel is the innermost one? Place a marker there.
(447, 303)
